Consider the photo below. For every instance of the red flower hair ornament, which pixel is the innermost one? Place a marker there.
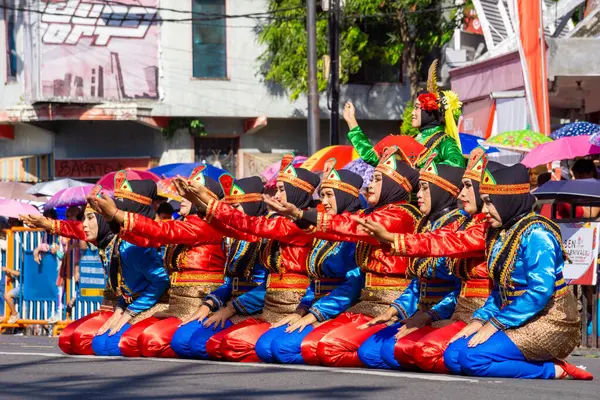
(429, 102)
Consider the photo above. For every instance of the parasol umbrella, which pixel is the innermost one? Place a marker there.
(343, 154)
(167, 190)
(52, 187)
(73, 196)
(470, 142)
(270, 174)
(108, 181)
(408, 144)
(17, 191)
(562, 149)
(580, 128)
(522, 141)
(185, 169)
(12, 208)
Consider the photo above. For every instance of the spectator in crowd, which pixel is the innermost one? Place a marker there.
(13, 295)
(585, 169)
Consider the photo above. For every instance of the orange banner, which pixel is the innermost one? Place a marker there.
(531, 34)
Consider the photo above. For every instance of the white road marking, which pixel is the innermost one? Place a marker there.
(395, 374)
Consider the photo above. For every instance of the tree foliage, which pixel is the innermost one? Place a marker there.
(388, 32)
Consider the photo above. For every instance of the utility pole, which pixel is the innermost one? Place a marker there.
(313, 91)
(334, 76)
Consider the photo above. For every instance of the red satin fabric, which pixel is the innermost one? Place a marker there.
(155, 340)
(428, 353)
(129, 341)
(207, 252)
(294, 243)
(71, 230)
(77, 337)
(403, 351)
(339, 348)
(308, 348)
(240, 344)
(448, 242)
(213, 345)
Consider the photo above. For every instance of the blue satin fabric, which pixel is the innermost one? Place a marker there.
(539, 261)
(498, 357)
(378, 350)
(278, 346)
(408, 302)
(104, 345)
(189, 341)
(143, 274)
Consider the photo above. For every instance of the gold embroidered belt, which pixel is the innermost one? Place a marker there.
(508, 295)
(381, 282)
(476, 288)
(287, 281)
(324, 286)
(179, 278)
(432, 291)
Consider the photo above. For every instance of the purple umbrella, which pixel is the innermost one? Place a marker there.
(73, 196)
(361, 168)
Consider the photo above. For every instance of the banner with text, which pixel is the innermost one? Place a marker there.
(581, 243)
(97, 50)
(97, 168)
(91, 276)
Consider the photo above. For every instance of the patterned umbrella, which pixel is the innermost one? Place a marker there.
(469, 142)
(523, 141)
(343, 155)
(580, 128)
(595, 139)
(166, 189)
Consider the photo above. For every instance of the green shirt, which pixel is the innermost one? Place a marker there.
(447, 148)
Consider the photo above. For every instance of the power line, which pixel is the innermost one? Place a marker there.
(267, 15)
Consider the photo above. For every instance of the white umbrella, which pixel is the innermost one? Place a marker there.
(53, 187)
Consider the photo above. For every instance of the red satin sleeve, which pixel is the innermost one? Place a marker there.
(394, 218)
(193, 230)
(445, 242)
(233, 233)
(278, 228)
(68, 229)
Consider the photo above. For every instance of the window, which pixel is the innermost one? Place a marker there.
(11, 49)
(209, 40)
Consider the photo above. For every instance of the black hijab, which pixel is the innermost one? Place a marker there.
(146, 188)
(344, 201)
(392, 191)
(512, 207)
(429, 119)
(105, 233)
(298, 197)
(249, 185)
(442, 200)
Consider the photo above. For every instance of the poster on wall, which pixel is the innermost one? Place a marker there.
(98, 50)
(581, 243)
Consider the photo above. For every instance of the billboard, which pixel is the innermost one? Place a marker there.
(93, 50)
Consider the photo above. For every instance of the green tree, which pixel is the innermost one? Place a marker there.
(386, 31)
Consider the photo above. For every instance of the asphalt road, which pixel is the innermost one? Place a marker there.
(33, 367)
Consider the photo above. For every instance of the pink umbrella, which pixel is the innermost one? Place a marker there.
(12, 208)
(270, 174)
(561, 149)
(108, 181)
(73, 196)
